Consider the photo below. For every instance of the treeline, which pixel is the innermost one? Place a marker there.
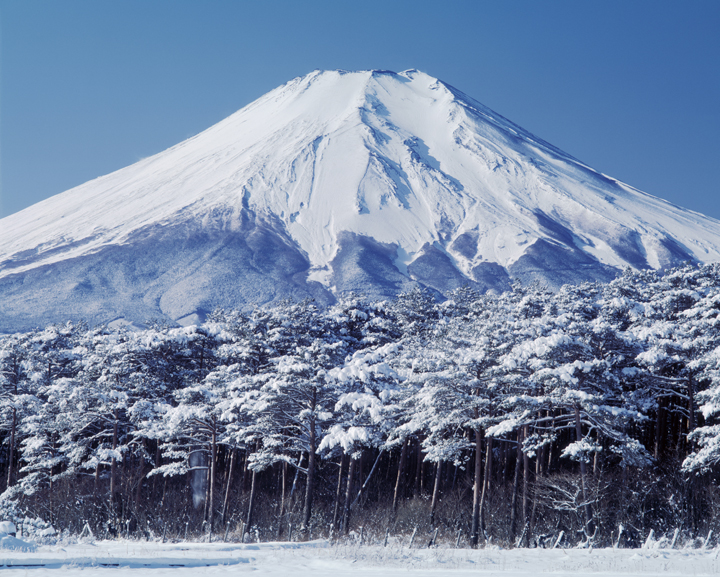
(515, 418)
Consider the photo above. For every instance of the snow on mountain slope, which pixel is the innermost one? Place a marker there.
(369, 181)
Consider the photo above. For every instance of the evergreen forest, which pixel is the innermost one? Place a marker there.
(585, 416)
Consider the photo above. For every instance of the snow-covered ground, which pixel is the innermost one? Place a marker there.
(319, 558)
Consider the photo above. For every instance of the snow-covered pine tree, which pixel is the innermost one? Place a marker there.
(14, 382)
(295, 399)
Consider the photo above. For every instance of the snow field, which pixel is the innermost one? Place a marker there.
(320, 558)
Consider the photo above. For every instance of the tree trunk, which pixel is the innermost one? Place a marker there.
(691, 405)
(401, 467)
(550, 448)
(539, 461)
(526, 476)
(283, 482)
(251, 503)
(595, 469)
(436, 492)
(505, 461)
(418, 469)
(11, 449)
(206, 499)
(213, 463)
(659, 427)
(516, 477)
(364, 486)
(227, 487)
(583, 473)
(309, 488)
(113, 465)
(348, 495)
(138, 488)
(295, 478)
(164, 492)
(475, 529)
(158, 462)
(338, 494)
(244, 471)
(486, 484)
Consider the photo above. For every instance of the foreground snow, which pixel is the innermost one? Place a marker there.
(119, 558)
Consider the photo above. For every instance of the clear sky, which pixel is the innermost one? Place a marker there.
(630, 87)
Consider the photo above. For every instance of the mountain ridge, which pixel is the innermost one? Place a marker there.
(313, 188)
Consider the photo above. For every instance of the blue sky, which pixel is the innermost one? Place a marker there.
(631, 88)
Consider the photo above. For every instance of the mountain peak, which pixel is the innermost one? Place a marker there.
(371, 181)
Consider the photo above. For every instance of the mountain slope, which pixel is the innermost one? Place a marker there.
(368, 181)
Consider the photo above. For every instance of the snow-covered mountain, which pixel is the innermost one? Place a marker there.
(337, 181)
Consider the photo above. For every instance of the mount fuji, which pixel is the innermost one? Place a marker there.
(371, 181)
